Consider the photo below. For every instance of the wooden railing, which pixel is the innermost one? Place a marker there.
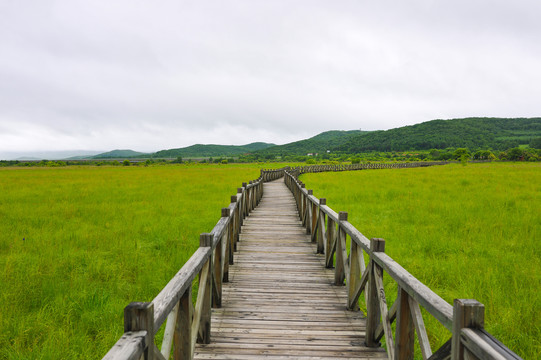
(273, 174)
(331, 232)
(187, 324)
(299, 170)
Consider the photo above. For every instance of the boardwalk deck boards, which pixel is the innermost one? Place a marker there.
(279, 302)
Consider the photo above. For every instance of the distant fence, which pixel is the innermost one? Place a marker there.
(273, 174)
(465, 319)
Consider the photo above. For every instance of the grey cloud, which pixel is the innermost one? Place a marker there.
(166, 74)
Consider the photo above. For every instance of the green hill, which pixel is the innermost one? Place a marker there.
(472, 133)
(119, 154)
(320, 143)
(200, 150)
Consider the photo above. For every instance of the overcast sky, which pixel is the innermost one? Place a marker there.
(151, 75)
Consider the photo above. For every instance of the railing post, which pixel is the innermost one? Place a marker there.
(140, 316)
(203, 336)
(308, 212)
(245, 200)
(405, 329)
(354, 275)
(236, 227)
(466, 314)
(302, 202)
(321, 234)
(339, 268)
(227, 256)
(372, 306)
(240, 206)
(183, 327)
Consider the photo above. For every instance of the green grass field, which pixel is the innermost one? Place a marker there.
(465, 231)
(80, 243)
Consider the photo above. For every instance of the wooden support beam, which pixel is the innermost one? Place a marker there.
(331, 243)
(417, 317)
(372, 306)
(385, 320)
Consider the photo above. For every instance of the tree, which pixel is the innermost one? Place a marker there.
(461, 152)
(535, 143)
(484, 155)
(515, 154)
(434, 154)
(126, 162)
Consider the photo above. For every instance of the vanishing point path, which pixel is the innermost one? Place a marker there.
(280, 301)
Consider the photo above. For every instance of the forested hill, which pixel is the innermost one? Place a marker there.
(320, 143)
(200, 150)
(472, 133)
(118, 154)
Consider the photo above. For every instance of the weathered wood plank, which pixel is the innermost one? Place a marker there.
(129, 347)
(280, 301)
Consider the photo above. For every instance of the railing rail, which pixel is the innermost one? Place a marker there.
(331, 230)
(186, 323)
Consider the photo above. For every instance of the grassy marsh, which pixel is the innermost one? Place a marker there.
(465, 231)
(80, 243)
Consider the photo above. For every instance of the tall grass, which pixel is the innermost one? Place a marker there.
(78, 244)
(465, 231)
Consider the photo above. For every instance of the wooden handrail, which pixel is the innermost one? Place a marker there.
(171, 293)
(129, 347)
(330, 230)
(186, 323)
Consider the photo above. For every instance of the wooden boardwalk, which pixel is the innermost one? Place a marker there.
(279, 302)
